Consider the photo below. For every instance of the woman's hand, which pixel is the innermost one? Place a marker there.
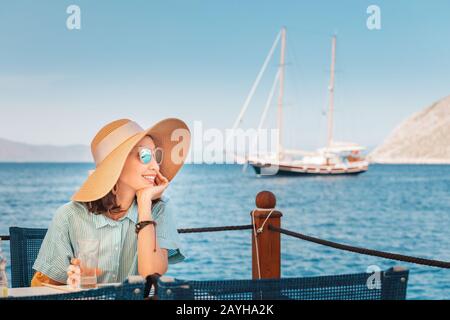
(74, 273)
(146, 195)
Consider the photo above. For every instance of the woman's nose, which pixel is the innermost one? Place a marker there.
(153, 164)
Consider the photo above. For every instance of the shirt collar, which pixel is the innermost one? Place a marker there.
(100, 220)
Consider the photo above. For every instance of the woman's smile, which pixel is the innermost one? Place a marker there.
(150, 178)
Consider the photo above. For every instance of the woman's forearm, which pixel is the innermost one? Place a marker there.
(149, 261)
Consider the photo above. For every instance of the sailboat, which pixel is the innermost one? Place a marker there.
(336, 158)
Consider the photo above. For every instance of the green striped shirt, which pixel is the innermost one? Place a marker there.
(118, 241)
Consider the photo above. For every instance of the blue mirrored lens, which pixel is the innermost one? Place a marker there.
(145, 155)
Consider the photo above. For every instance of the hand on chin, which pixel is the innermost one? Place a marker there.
(153, 192)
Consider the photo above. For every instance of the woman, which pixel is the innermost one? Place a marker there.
(122, 205)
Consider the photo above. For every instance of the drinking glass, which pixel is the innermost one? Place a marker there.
(88, 255)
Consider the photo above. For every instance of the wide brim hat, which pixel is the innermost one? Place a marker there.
(113, 143)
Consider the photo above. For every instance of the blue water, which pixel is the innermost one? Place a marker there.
(403, 209)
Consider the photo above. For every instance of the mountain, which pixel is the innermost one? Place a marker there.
(423, 138)
(11, 151)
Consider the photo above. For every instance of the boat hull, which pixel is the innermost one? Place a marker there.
(284, 170)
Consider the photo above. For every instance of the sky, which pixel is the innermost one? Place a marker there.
(197, 60)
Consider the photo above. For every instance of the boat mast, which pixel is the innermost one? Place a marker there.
(252, 90)
(331, 89)
(281, 91)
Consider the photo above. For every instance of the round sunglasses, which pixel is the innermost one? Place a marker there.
(146, 155)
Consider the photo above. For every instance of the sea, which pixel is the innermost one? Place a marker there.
(402, 209)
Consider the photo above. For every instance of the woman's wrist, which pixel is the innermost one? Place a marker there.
(145, 212)
(144, 201)
(145, 217)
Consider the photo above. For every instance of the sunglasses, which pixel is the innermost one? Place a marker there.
(146, 155)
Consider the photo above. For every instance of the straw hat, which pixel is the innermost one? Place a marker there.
(112, 144)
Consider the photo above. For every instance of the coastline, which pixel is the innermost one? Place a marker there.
(411, 161)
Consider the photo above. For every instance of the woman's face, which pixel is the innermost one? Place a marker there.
(135, 174)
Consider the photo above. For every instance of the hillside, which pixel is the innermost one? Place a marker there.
(11, 151)
(422, 138)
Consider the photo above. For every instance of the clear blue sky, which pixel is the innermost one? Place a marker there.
(196, 60)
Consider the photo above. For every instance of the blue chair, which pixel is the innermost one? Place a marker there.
(131, 289)
(24, 247)
(392, 286)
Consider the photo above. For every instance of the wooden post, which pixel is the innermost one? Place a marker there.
(268, 242)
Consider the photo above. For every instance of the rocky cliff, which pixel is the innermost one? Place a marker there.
(422, 138)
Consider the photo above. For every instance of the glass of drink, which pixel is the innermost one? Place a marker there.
(88, 255)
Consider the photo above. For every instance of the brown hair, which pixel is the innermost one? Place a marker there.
(106, 204)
